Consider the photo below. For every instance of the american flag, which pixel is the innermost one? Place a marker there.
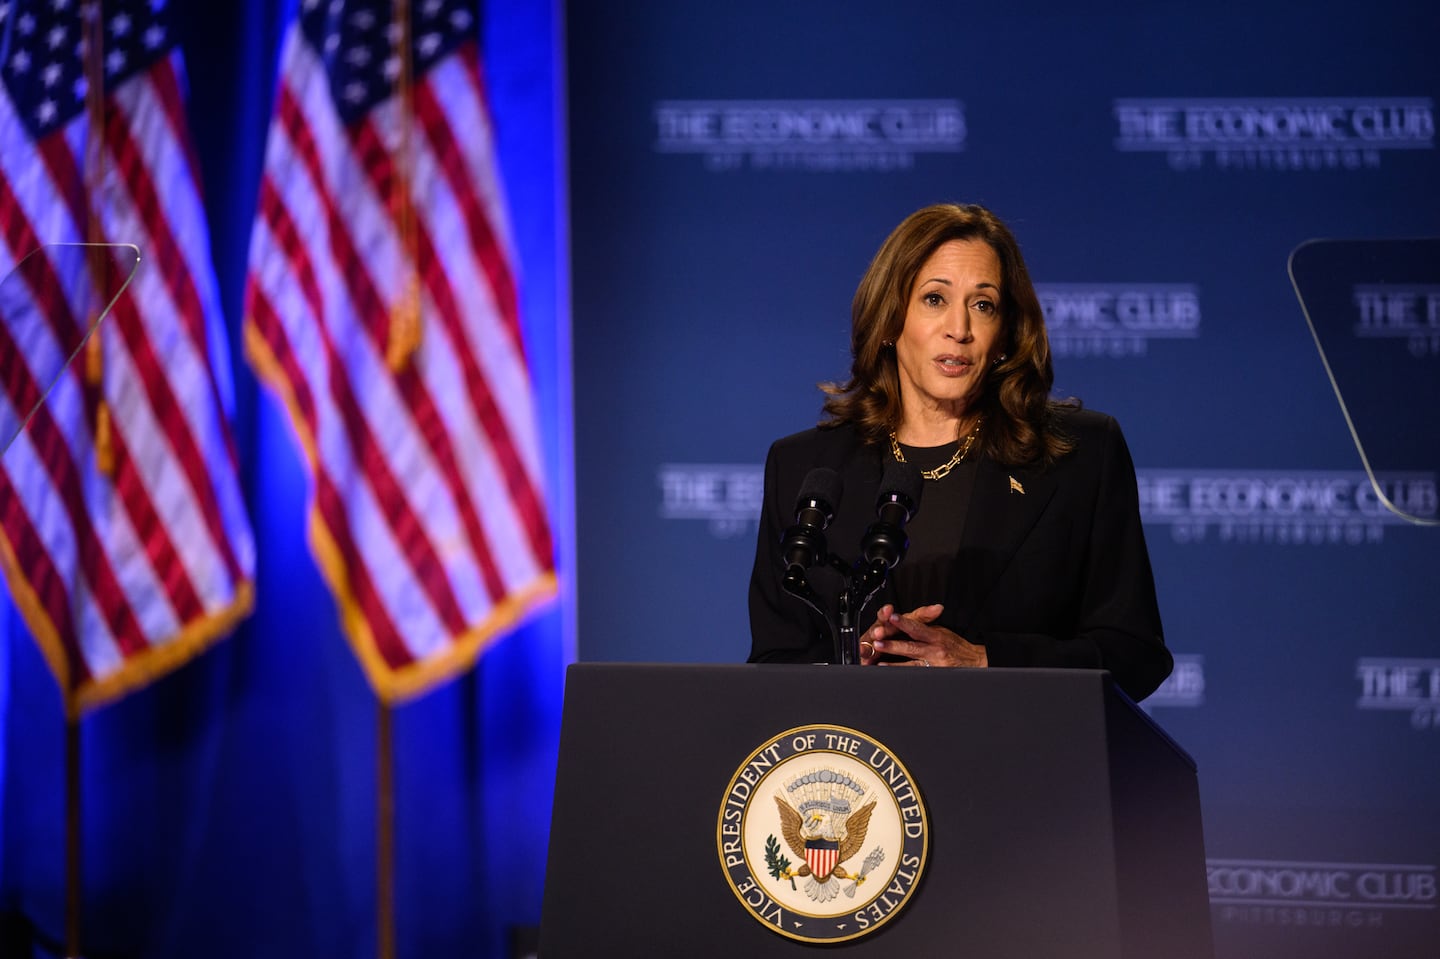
(426, 511)
(125, 540)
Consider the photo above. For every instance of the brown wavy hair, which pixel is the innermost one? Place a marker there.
(1014, 394)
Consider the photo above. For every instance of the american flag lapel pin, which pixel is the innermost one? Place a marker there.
(1015, 486)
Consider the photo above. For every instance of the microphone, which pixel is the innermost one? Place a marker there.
(885, 541)
(804, 543)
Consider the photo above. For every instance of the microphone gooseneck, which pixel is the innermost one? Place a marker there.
(882, 547)
(885, 541)
(804, 543)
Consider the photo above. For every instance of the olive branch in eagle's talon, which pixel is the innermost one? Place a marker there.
(778, 865)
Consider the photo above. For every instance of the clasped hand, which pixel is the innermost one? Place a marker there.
(914, 637)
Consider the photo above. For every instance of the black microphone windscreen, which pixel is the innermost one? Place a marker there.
(902, 478)
(822, 484)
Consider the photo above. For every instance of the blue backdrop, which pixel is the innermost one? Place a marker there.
(734, 167)
(230, 807)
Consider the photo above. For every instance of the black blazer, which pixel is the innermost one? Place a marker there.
(1051, 570)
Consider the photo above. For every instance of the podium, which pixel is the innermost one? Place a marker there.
(1062, 822)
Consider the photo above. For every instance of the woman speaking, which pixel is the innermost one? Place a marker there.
(1028, 548)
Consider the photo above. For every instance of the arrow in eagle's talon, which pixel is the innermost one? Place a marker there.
(877, 856)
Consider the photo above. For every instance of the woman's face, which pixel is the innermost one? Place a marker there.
(951, 332)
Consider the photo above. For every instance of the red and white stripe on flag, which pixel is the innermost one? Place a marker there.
(121, 573)
(427, 516)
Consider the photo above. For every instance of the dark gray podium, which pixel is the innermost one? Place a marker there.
(1063, 822)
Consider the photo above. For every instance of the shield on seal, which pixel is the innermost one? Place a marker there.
(821, 855)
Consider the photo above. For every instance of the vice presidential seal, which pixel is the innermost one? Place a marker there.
(822, 834)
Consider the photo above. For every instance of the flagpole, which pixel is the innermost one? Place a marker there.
(93, 66)
(404, 339)
(385, 839)
(72, 833)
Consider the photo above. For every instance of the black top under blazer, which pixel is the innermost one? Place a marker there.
(1057, 575)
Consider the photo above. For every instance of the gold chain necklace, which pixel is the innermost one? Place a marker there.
(943, 470)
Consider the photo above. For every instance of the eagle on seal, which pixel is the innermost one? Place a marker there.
(824, 840)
